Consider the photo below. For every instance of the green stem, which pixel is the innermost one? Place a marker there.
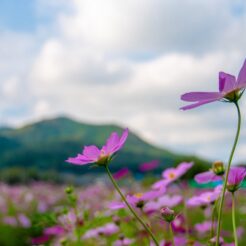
(227, 173)
(234, 220)
(130, 208)
(171, 234)
(213, 220)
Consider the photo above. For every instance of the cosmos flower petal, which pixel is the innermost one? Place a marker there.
(161, 184)
(121, 173)
(227, 82)
(241, 80)
(206, 177)
(199, 96)
(200, 103)
(91, 152)
(114, 142)
(236, 175)
(111, 143)
(123, 138)
(77, 161)
(116, 205)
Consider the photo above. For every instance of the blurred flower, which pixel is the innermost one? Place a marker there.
(178, 224)
(212, 241)
(91, 154)
(148, 166)
(54, 231)
(40, 240)
(205, 198)
(235, 177)
(24, 221)
(137, 200)
(163, 201)
(121, 173)
(167, 214)
(203, 227)
(215, 174)
(10, 220)
(123, 242)
(229, 90)
(171, 174)
(106, 230)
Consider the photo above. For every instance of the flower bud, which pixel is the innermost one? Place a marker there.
(167, 214)
(218, 168)
(69, 190)
(212, 241)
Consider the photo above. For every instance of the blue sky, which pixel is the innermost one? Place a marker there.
(124, 62)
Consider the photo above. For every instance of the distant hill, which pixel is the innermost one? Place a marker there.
(46, 144)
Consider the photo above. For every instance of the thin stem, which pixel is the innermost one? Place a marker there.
(234, 220)
(130, 208)
(213, 220)
(185, 210)
(227, 173)
(171, 234)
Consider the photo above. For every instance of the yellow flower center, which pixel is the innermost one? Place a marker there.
(138, 195)
(171, 175)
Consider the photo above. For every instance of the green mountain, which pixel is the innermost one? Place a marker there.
(46, 144)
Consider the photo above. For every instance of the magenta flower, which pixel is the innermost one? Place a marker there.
(171, 174)
(163, 201)
(203, 227)
(207, 177)
(214, 174)
(148, 166)
(229, 90)
(54, 231)
(205, 198)
(121, 173)
(105, 230)
(123, 242)
(92, 154)
(235, 177)
(138, 200)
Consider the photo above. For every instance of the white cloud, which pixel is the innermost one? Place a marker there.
(127, 62)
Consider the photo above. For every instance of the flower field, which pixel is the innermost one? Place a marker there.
(45, 214)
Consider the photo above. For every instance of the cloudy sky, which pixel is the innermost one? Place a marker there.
(124, 62)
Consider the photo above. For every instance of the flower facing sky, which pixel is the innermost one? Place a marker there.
(235, 177)
(229, 89)
(92, 154)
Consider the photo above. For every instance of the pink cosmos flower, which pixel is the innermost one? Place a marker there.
(235, 177)
(203, 227)
(163, 201)
(229, 90)
(178, 225)
(138, 200)
(123, 242)
(171, 174)
(148, 166)
(54, 231)
(121, 173)
(24, 220)
(92, 154)
(205, 198)
(214, 174)
(207, 177)
(40, 240)
(105, 230)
